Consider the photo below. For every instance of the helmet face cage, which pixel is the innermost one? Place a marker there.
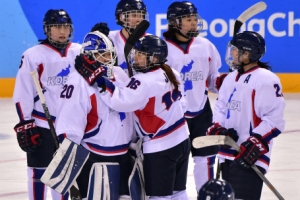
(231, 58)
(132, 18)
(140, 61)
(189, 33)
(62, 22)
(148, 51)
(129, 13)
(179, 10)
(100, 48)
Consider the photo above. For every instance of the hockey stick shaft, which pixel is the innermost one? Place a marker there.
(138, 32)
(205, 141)
(45, 107)
(247, 14)
(74, 192)
(218, 170)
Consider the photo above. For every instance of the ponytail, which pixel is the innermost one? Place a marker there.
(170, 75)
(264, 65)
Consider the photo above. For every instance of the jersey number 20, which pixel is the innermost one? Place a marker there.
(67, 91)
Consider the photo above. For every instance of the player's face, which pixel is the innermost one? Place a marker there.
(133, 18)
(189, 23)
(140, 59)
(103, 57)
(60, 32)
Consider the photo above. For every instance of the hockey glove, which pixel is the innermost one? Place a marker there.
(217, 129)
(101, 82)
(89, 68)
(28, 136)
(101, 27)
(251, 150)
(220, 80)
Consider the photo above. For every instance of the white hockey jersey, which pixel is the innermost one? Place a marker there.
(119, 41)
(53, 71)
(85, 119)
(198, 67)
(158, 110)
(251, 103)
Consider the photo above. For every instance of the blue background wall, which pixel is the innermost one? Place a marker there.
(21, 26)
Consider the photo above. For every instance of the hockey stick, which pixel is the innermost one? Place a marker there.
(134, 36)
(247, 14)
(211, 140)
(45, 108)
(74, 192)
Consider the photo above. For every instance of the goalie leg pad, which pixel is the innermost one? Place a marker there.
(65, 166)
(104, 181)
(136, 181)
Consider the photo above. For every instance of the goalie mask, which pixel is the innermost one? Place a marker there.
(99, 47)
(129, 13)
(249, 41)
(183, 17)
(58, 28)
(216, 190)
(148, 51)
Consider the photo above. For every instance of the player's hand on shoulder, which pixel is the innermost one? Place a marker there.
(251, 150)
(89, 68)
(28, 136)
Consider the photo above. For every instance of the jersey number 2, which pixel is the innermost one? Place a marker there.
(278, 93)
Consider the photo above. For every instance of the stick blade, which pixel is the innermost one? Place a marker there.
(253, 10)
(211, 140)
(247, 14)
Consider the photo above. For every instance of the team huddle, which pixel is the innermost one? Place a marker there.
(129, 137)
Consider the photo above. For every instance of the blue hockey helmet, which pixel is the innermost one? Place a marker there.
(97, 45)
(57, 18)
(249, 41)
(153, 47)
(215, 189)
(125, 7)
(252, 42)
(178, 10)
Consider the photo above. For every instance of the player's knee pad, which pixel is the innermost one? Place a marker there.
(104, 181)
